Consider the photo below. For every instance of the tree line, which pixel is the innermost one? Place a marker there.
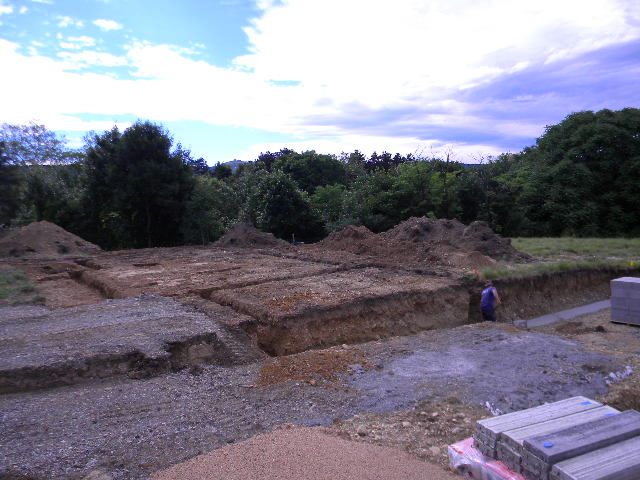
(137, 188)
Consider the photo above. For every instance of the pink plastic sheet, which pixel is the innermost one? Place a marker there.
(471, 463)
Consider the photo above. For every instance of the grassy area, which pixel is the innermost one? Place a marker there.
(15, 288)
(619, 248)
(531, 269)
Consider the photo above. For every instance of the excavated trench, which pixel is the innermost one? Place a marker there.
(356, 321)
(409, 313)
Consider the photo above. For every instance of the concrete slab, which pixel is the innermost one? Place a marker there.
(492, 428)
(542, 452)
(616, 462)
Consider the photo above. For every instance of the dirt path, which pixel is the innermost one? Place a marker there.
(304, 453)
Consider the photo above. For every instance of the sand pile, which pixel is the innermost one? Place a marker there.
(244, 235)
(44, 239)
(426, 240)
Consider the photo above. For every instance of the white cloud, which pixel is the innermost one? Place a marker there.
(77, 43)
(44, 2)
(23, 10)
(107, 25)
(64, 22)
(5, 9)
(362, 55)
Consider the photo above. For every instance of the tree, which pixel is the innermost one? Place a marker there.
(329, 202)
(9, 187)
(33, 144)
(211, 209)
(311, 170)
(137, 187)
(199, 166)
(222, 171)
(284, 210)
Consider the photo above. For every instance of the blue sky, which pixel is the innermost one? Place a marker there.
(232, 78)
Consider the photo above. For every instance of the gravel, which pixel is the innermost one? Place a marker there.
(304, 453)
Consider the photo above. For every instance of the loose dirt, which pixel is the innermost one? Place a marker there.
(304, 453)
(44, 239)
(314, 366)
(426, 241)
(244, 235)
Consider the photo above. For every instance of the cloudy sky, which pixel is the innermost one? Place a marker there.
(232, 78)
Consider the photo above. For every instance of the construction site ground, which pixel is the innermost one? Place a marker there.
(136, 361)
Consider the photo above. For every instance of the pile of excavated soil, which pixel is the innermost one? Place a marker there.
(312, 366)
(44, 239)
(475, 237)
(423, 239)
(244, 235)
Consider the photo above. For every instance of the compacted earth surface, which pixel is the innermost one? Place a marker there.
(242, 356)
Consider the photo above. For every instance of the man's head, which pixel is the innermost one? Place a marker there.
(488, 284)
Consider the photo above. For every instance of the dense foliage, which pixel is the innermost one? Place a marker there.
(135, 189)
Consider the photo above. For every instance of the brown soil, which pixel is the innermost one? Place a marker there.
(424, 431)
(244, 235)
(313, 366)
(44, 239)
(303, 453)
(423, 240)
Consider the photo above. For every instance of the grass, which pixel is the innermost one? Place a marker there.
(567, 253)
(15, 288)
(621, 248)
(532, 269)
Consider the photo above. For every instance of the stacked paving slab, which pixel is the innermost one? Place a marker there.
(573, 439)
(625, 300)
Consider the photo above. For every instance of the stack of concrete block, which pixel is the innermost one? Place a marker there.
(620, 461)
(625, 300)
(510, 445)
(489, 430)
(542, 452)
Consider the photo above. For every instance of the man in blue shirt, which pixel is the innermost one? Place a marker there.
(489, 301)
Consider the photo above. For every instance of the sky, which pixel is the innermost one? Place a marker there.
(232, 78)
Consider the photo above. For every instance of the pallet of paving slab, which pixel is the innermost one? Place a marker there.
(489, 429)
(620, 461)
(540, 453)
(625, 300)
(510, 443)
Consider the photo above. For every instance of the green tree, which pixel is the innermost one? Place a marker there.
(137, 187)
(9, 187)
(34, 144)
(211, 209)
(329, 202)
(284, 210)
(310, 169)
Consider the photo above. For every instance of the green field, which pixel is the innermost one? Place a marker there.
(618, 248)
(566, 253)
(15, 288)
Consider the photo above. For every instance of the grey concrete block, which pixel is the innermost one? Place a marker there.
(515, 438)
(542, 452)
(509, 457)
(620, 461)
(489, 429)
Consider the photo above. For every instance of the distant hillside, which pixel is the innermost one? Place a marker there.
(234, 164)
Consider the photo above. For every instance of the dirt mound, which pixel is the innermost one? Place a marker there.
(44, 239)
(352, 239)
(447, 242)
(244, 235)
(476, 237)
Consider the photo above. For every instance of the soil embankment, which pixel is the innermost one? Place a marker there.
(44, 239)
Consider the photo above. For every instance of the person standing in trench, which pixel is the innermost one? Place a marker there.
(489, 301)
